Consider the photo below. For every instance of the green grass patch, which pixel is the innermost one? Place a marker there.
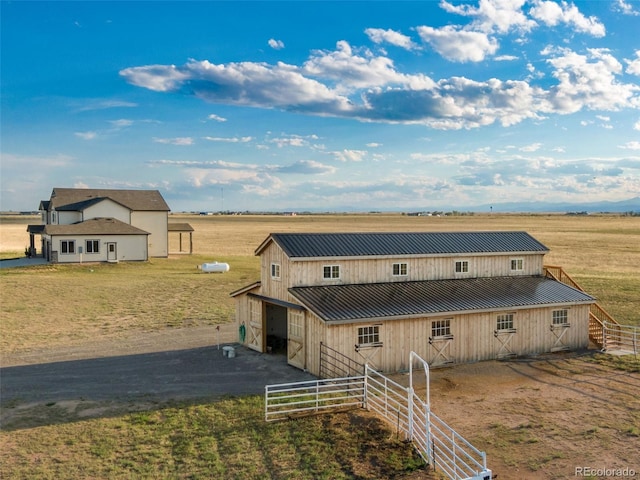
(226, 439)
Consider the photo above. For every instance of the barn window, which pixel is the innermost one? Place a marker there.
(92, 246)
(68, 246)
(369, 336)
(560, 317)
(517, 264)
(399, 269)
(505, 322)
(462, 266)
(441, 328)
(330, 272)
(275, 270)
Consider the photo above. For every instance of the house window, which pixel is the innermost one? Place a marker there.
(275, 270)
(517, 264)
(92, 246)
(330, 272)
(462, 266)
(399, 269)
(68, 246)
(441, 328)
(369, 336)
(560, 317)
(505, 322)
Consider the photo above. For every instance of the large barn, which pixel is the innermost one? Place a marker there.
(373, 297)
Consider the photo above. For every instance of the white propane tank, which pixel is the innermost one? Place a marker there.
(215, 267)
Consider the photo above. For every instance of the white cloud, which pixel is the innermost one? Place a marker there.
(306, 167)
(347, 155)
(624, 8)
(531, 148)
(86, 135)
(229, 139)
(589, 81)
(276, 44)
(505, 58)
(553, 13)
(216, 118)
(180, 141)
(379, 35)
(635, 145)
(636, 126)
(459, 45)
(634, 65)
(121, 123)
(493, 15)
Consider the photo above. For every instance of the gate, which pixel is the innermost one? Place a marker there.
(437, 443)
(620, 338)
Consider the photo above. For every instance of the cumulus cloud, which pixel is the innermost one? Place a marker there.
(276, 44)
(634, 65)
(379, 35)
(459, 45)
(552, 14)
(624, 8)
(493, 15)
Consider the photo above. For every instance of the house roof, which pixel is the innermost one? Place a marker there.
(314, 245)
(80, 198)
(95, 226)
(348, 303)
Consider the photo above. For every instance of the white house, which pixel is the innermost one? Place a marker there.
(101, 225)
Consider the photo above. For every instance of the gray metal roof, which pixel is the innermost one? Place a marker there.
(344, 303)
(310, 245)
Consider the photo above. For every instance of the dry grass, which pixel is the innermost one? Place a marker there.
(65, 305)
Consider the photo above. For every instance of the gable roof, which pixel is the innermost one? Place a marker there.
(80, 198)
(95, 226)
(349, 303)
(314, 245)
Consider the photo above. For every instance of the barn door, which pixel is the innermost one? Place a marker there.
(255, 337)
(295, 339)
(440, 351)
(504, 337)
(558, 332)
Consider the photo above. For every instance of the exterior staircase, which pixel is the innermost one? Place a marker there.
(604, 331)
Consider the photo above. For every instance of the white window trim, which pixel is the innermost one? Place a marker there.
(462, 261)
(519, 260)
(400, 274)
(376, 330)
(331, 267)
(511, 329)
(446, 336)
(68, 242)
(275, 271)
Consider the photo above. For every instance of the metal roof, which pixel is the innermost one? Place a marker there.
(314, 245)
(344, 303)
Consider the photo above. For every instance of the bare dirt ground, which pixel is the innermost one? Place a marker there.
(537, 418)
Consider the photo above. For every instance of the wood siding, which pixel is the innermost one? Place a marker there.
(473, 337)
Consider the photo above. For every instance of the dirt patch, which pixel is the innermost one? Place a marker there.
(545, 417)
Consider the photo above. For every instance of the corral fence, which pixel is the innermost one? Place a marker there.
(622, 338)
(438, 444)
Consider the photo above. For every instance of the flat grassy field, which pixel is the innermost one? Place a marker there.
(57, 306)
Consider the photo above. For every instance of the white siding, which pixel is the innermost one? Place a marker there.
(156, 224)
(128, 248)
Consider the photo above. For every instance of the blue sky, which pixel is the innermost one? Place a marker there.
(322, 105)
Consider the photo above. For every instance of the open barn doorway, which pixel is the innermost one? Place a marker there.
(276, 329)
